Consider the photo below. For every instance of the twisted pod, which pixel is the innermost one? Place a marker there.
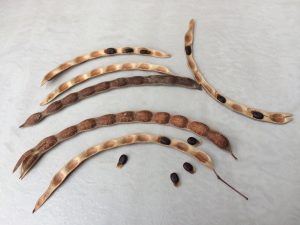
(257, 114)
(63, 173)
(102, 53)
(102, 71)
(31, 157)
(155, 80)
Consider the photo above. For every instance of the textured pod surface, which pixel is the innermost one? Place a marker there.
(155, 80)
(143, 116)
(102, 53)
(63, 173)
(102, 71)
(271, 117)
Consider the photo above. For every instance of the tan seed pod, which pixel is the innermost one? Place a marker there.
(31, 157)
(103, 53)
(130, 139)
(102, 71)
(257, 114)
(155, 80)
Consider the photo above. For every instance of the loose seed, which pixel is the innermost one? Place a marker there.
(122, 161)
(188, 167)
(192, 141)
(175, 179)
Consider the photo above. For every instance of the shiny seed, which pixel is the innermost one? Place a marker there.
(221, 98)
(164, 140)
(188, 167)
(188, 50)
(257, 115)
(192, 141)
(122, 161)
(174, 178)
(110, 51)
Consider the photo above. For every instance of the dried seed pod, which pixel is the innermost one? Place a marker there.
(122, 161)
(193, 141)
(271, 117)
(143, 116)
(63, 173)
(188, 167)
(102, 53)
(175, 179)
(69, 100)
(100, 72)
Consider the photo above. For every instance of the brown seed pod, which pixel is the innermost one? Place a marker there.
(102, 53)
(63, 173)
(100, 72)
(175, 179)
(30, 158)
(271, 117)
(122, 161)
(155, 80)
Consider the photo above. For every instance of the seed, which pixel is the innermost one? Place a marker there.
(257, 115)
(188, 50)
(164, 140)
(192, 141)
(122, 161)
(128, 50)
(221, 98)
(175, 179)
(188, 167)
(145, 51)
(110, 51)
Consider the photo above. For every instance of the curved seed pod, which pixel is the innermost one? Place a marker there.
(31, 157)
(257, 114)
(102, 71)
(102, 53)
(63, 173)
(155, 80)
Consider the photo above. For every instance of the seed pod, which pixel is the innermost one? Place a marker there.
(193, 141)
(122, 161)
(175, 179)
(188, 167)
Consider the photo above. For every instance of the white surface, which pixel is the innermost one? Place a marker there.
(249, 50)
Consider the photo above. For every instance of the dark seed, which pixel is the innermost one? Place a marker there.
(188, 50)
(174, 178)
(164, 140)
(145, 51)
(122, 161)
(188, 167)
(192, 141)
(128, 50)
(221, 98)
(110, 51)
(257, 115)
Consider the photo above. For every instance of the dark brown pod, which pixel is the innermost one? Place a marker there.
(188, 167)
(122, 161)
(175, 179)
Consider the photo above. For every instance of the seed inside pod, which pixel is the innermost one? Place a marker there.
(128, 50)
(175, 179)
(221, 98)
(257, 115)
(110, 51)
(164, 140)
(188, 167)
(122, 161)
(145, 51)
(193, 141)
(188, 50)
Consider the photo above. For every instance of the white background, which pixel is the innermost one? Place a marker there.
(249, 50)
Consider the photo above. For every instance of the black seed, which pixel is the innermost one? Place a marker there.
(128, 50)
(174, 178)
(122, 161)
(145, 51)
(110, 51)
(221, 98)
(257, 115)
(188, 167)
(188, 50)
(192, 141)
(164, 140)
